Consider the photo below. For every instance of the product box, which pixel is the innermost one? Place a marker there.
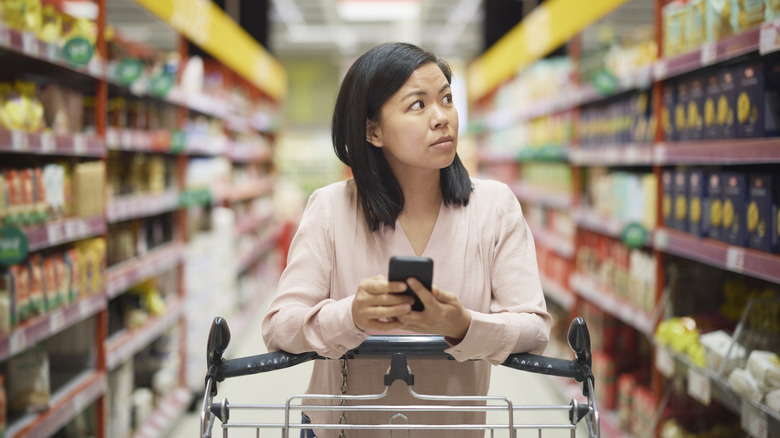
(680, 194)
(667, 110)
(763, 197)
(698, 203)
(28, 380)
(695, 117)
(667, 185)
(673, 16)
(746, 14)
(682, 99)
(734, 202)
(712, 95)
(37, 300)
(718, 19)
(757, 99)
(726, 104)
(6, 308)
(714, 193)
(695, 28)
(20, 277)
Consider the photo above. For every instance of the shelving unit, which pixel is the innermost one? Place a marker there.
(90, 388)
(667, 247)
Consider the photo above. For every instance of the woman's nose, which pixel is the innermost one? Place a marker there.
(439, 118)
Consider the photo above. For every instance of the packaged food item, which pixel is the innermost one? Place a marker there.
(53, 177)
(695, 117)
(88, 186)
(698, 203)
(673, 16)
(6, 297)
(680, 192)
(695, 26)
(726, 104)
(72, 277)
(23, 15)
(13, 110)
(62, 278)
(764, 366)
(51, 25)
(667, 124)
(680, 111)
(734, 202)
(28, 195)
(28, 380)
(718, 20)
(716, 348)
(92, 254)
(746, 14)
(758, 84)
(3, 199)
(50, 284)
(744, 384)
(772, 9)
(714, 192)
(20, 286)
(37, 298)
(666, 200)
(763, 202)
(40, 208)
(32, 107)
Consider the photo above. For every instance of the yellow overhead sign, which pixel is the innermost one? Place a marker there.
(547, 27)
(206, 25)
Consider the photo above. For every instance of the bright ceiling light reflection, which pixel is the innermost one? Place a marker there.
(378, 10)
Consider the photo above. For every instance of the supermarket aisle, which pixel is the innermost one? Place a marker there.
(521, 388)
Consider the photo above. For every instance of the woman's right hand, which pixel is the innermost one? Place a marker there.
(378, 303)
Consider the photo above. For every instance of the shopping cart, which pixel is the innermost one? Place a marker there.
(398, 348)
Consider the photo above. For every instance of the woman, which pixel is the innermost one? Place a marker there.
(396, 127)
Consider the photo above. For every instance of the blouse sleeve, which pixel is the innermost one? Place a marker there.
(303, 317)
(518, 320)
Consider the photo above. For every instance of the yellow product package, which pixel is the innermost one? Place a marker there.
(92, 256)
(11, 108)
(673, 16)
(772, 10)
(51, 25)
(746, 14)
(695, 23)
(718, 19)
(31, 106)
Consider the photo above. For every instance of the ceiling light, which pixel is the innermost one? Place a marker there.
(378, 10)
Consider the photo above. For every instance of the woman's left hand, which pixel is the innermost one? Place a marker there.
(444, 314)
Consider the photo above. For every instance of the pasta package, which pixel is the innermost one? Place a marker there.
(746, 14)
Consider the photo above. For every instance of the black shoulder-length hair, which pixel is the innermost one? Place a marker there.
(370, 82)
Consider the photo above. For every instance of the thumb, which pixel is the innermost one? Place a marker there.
(444, 297)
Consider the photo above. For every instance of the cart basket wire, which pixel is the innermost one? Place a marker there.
(398, 348)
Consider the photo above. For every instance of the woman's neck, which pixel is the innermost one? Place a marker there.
(422, 194)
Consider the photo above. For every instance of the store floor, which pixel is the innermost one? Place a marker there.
(271, 388)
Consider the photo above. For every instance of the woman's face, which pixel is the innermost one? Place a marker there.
(418, 126)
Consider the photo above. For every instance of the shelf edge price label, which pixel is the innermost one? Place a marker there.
(768, 37)
(709, 53)
(735, 258)
(20, 140)
(699, 386)
(664, 362)
(18, 341)
(753, 420)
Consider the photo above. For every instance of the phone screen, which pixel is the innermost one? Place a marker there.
(421, 268)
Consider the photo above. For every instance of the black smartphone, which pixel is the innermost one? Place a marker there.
(421, 268)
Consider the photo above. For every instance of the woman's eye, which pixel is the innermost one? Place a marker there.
(418, 105)
(447, 98)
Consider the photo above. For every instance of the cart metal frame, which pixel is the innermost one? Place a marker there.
(398, 348)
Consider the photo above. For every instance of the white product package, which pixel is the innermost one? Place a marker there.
(745, 385)
(765, 368)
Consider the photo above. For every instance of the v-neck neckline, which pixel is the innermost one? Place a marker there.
(436, 226)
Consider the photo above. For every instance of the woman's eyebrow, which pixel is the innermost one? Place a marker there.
(423, 93)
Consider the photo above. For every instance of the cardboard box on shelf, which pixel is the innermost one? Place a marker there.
(712, 93)
(726, 104)
(680, 194)
(763, 200)
(695, 117)
(757, 99)
(734, 203)
(698, 203)
(667, 206)
(714, 192)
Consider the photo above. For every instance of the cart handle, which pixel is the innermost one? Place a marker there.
(415, 345)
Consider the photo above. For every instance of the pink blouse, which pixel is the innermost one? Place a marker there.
(484, 253)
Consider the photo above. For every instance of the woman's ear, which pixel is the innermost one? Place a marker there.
(374, 133)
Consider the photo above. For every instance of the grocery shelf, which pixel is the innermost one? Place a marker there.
(127, 274)
(125, 344)
(160, 140)
(558, 293)
(641, 79)
(252, 222)
(262, 247)
(613, 155)
(733, 151)
(44, 326)
(757, 419)
(560, 245)
(615, 306)
(245, 190)
(249, 153)
(66, 404)
(539, 195)
(44, 143)
(710, 53)
(126, 207)
(167, 412)
(64, 231)
(719, 254)
(589, 219)
(206, 145)
(28, 45)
